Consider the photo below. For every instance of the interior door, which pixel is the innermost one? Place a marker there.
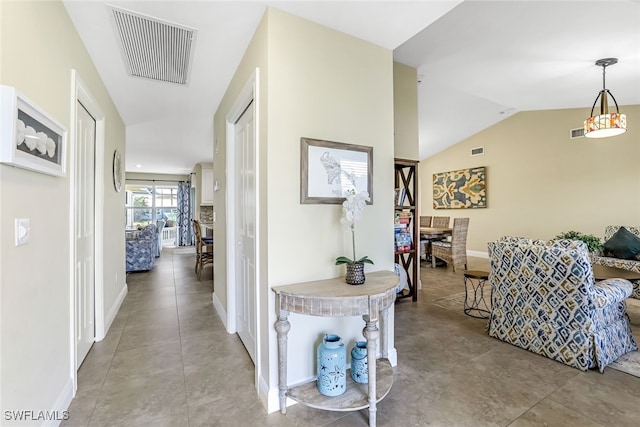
(84, 168)
(245, 206)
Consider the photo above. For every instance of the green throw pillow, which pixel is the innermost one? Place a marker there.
(623, 244)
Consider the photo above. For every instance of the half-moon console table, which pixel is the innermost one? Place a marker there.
(335, 298)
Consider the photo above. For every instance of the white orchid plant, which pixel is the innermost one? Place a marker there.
(352, 209)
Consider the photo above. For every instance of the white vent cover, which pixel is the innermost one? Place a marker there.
(152, 48)
(576, 133)
(478, 151)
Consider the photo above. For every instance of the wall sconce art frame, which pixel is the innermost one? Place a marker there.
(328, 169)
(29, 137)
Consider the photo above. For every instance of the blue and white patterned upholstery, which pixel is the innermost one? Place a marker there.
(141, 251)
(545, 300)
(625, 264)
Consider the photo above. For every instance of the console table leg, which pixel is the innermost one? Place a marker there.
(371, 333)
(384, 333)
(282, 327)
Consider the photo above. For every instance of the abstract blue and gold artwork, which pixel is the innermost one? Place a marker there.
(461, 189)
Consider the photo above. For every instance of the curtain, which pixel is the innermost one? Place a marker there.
(185, 237)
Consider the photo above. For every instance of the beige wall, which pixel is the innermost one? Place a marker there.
(541, 183)
(326, 85)
(35, 279)
(254, 57)
(405, 111)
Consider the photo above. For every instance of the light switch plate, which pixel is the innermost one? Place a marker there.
(22, 231)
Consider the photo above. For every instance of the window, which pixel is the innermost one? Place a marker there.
(143, 200)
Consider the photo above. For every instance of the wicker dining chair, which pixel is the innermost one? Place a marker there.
(454, 252)
(440, 222)
(425, 221)
(204, 249)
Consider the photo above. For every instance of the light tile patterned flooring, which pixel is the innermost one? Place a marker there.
(167, 361)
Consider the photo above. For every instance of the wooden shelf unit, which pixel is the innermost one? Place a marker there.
(406, 177)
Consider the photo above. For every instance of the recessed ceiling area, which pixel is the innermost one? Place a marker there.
(479, 62)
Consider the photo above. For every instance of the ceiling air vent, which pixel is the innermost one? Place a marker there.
(153, 48)
(576, 133)
(478, 151)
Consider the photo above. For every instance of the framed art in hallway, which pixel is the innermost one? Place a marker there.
(29, 137)
(329, 169)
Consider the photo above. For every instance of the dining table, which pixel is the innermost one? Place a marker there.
(434, 232)
(427, 234)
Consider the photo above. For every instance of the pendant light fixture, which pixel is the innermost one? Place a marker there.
(605, 124)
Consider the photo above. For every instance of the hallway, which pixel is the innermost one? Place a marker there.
(167, 361)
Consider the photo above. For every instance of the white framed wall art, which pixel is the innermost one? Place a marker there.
(29, 137)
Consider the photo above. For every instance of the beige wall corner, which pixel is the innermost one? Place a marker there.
(340, 90)
(405, 112)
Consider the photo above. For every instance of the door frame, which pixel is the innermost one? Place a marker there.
(248, 98)
(80, 93)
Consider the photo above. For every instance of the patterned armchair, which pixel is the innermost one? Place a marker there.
(545, 300)
(141, 251)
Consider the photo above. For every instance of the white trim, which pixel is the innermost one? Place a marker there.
(80, 93)
(217, 304)
(61, 405)
(248, 97)
(271, 398)
(113, 311)
(273, 395)
(478, 254)
(244, 99)
(392, 356)
(231, 239)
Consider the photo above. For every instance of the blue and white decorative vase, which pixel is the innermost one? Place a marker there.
(332, 366)
(359, 367)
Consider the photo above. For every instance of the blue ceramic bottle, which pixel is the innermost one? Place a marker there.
(332, 366)
(359, 366)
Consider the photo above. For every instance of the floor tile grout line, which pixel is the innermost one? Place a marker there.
(184, 375)
(550, 396)
(115, 351)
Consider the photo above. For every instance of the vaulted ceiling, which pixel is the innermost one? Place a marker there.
(478, 63)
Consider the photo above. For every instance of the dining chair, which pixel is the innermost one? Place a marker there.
(440, 222)
(425, 221)
(204, 249)
(455, 251)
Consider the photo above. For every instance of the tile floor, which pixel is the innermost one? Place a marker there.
(167, 361)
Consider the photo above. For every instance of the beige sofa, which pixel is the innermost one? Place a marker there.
(625, 264)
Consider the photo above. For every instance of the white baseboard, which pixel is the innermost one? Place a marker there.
(478, 254)
(59, 412)
(113, 311)
(222, 313)
(269, 398)
(393, 357)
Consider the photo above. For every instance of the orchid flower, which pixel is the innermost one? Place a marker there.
(352, 209)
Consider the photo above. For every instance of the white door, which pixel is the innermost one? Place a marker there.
(245, 208)
(84, 168)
